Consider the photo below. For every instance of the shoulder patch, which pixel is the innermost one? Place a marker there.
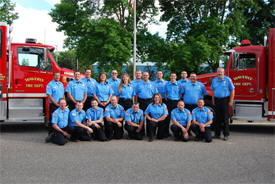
(54, 114)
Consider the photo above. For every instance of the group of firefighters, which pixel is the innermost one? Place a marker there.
(102, 109)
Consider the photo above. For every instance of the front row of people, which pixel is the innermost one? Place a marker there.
(97, 124)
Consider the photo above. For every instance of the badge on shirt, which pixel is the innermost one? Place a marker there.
(73, 114)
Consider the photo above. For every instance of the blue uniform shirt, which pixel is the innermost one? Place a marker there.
(61, 118)
(181, 116)
(135, 117)
(156, 111)
(127, 92)
(91, 84)
(173, 90)
(202, 116)
(183, 82)
(114, 113)
(136, 83)
(114, 84)
(222, 87)
(192, 92)
(161, 86)
(93, 114)
(77, 116)
(146, 90)
(103, 91)
(56, 90)
(77, 89)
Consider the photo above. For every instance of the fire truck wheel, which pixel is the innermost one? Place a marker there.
(209, 105)
(46, 122)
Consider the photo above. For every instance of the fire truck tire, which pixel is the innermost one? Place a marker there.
(209, 105)
(46, 122)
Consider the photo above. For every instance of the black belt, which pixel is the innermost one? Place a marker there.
(125, 99)
(216, 98)
(145, 99)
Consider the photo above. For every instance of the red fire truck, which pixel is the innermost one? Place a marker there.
(25, 71)
(252, 70)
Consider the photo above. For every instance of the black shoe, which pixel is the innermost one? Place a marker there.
(150, 139)
(197, 139)
(217, 137)
(48, 138)
(184, 140)
(225, 138)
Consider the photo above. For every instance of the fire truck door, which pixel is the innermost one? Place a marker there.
(244, 73)
(32, 71)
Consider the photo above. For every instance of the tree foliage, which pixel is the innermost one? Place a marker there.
(206, 28)
(7, 13)
(101, 30)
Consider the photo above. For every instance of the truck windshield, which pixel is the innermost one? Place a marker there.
(243, 61)
(33, 57)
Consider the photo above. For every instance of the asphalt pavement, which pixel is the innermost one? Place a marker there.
(247, 157)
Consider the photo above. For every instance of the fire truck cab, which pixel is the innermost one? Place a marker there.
(252, 70)
(25, 71)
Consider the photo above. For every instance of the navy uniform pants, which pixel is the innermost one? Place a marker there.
(87, 103)
(79, 133)
(152, 126)
(58, 138)
(125, 103)
(178, 134)
(202, 135)
(222, 108)
(99, 132)
(132, 132)
(112, 130)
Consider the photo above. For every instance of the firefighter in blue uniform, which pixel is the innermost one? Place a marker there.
(145, 91)
(103, 91)
(114, 81)
(114, 114)
(156, 113)
(54, 92)
(94, 116)
(222, 98)
(181, 119)
(201, 122)
(192, 91)
(172, 96)
(136, 82)
(134, 121)
(184, 80)
(160, 83)
(76, 91)
(126, 92)
(91, 85)
(77, 120)
(60, 120)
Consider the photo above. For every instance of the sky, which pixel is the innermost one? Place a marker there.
(35, 22)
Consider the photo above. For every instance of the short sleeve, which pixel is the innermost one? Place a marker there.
(55, 118)
(49, 90)
(107, 112)
(173, 117)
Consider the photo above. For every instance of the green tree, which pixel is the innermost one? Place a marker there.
(101, 30)
(204, 29)
(259, 20)
(7, 13)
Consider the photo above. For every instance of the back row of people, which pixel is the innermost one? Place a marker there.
(141, 90)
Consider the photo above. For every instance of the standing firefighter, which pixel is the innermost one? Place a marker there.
(222, 98)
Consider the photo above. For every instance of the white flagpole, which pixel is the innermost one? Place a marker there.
(135, 40)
